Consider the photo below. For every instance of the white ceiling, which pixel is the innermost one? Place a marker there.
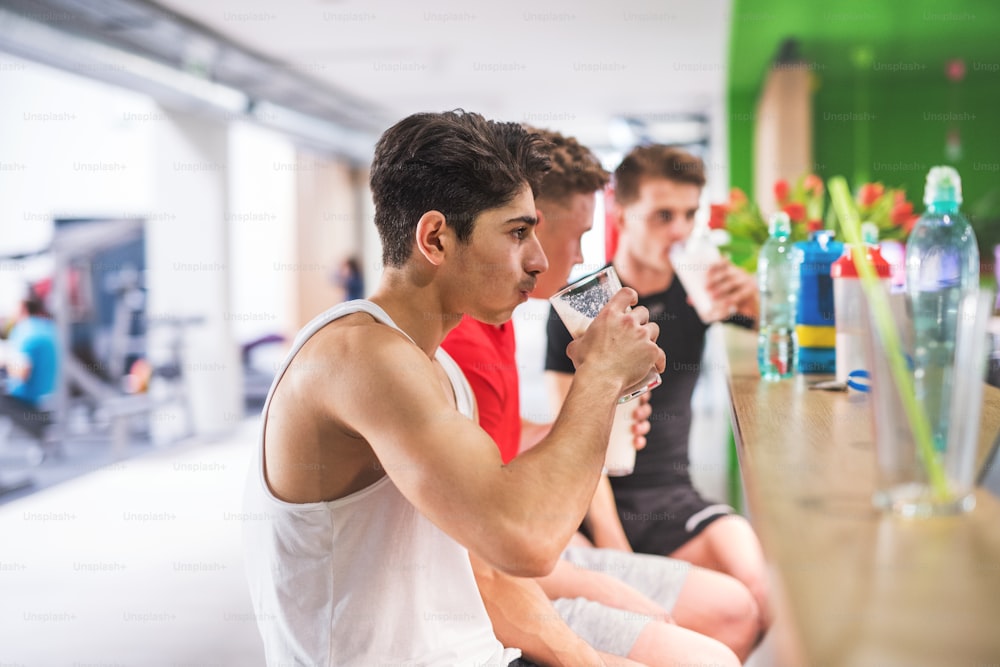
(567, 65)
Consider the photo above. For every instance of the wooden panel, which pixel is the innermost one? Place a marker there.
(783, 136)
(859, 588)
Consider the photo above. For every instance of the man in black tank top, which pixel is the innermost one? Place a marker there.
(656, 509)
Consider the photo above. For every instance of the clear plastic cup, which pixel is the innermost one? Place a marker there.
(691, 260)
(620, 459)
(905, 485)
(578, 304)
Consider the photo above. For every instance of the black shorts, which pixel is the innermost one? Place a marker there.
(661, 520)
(521, 662)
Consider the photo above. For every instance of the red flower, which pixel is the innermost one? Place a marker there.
(901, 213)
(737, 198)
(813, 183)
(781, 191)
(955, 69)
(795, 211)
(717, 218)
(814, 225)
(908, 224)
(869, 193)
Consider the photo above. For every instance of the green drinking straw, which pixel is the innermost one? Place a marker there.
(887, 333)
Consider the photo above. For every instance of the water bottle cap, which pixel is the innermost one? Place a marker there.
(823, 237)
(869, 233)
(944, 186)
(780, 225)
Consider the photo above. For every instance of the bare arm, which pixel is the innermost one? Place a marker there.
(19, 366)
(602, 519)
(519, 516)
(602, 516)
(523, 616)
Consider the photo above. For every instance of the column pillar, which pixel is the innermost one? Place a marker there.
(187, 250)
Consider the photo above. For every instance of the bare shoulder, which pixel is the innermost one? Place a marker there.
(349, 334)
(318, 427)
(357, 341)
(356, 363)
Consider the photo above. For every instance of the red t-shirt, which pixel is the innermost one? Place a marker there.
(486, 355)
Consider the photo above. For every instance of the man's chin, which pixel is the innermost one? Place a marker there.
(493, 317)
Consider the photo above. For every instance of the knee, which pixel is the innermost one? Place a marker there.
(662, 645)
(723, 656)
(756, 588)
(739, 618)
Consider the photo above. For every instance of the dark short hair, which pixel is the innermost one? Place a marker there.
(34, 305)
(455, 162)
(655, 161)
(575, 169)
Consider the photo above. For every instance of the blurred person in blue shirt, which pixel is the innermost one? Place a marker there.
(32, 359)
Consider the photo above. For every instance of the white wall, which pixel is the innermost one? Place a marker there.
(261, 223)
(68, 147)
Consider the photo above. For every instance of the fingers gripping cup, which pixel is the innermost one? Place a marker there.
(578, 304)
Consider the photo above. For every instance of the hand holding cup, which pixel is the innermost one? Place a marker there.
(617, 339)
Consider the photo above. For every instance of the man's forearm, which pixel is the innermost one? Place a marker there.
(602, 520)
(524, 618)
(569, 459)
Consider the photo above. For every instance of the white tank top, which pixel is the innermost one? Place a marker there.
(364, 580)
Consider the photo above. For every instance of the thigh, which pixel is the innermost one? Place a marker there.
(659, 578)
(662, 645)
(728, 545)
(606, 629)
(712, 602)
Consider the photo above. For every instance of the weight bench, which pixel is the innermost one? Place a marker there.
(33, 422)
(29, 419)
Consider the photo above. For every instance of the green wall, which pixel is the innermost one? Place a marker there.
(884, 114)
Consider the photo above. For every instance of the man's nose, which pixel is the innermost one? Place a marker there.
(536, 262)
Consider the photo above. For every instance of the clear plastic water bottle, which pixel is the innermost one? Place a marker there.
(942, 265)
(778, 282)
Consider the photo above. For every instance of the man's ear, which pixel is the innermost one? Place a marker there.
(433, 236)
(618, 216)
(540, 217)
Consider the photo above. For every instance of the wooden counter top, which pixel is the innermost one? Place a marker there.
(857, 588)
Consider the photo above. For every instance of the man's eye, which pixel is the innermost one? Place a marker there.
(665, 216)
(520, 232)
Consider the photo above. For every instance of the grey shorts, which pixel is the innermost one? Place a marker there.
(613, 630)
